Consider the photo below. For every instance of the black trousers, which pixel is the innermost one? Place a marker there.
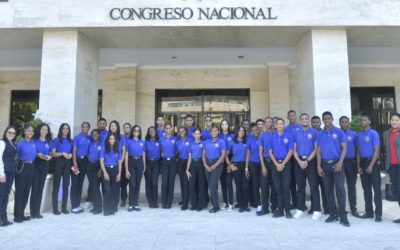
(23, 184)
(39, 178)
(212, 180)
(321, 190)
(135, 167)
(124, 184)
(110, 191)
(281, 181)
(168, 181)
(254, 170)
(61, 170)
(394, 173)
(196, 184)
(229, 186)
(93, 169)
(334, 181)
(184, 182)
(77, 182)
(369, 182)
(224, 187)
(293, 187)
(5, 189)
(310, 173)
(151, 177)
(350, 170)
(270, 186)
(242, 185)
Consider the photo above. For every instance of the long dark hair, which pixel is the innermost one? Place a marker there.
(235, 139)
(26, 126)
(115, 147)
(229, 126)
(94, 131)
(118, 132)
(6, 130)
(39, 127)
(133, 129)
(59, 136)
(148, 136)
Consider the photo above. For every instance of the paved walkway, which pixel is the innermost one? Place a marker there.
(176, 229)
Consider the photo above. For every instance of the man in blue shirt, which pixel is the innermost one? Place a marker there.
(349, 164)
(160, 126)
(306, 168)
(101, 126)
(367, 160)
(331, 150)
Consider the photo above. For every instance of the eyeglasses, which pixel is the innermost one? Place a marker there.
(208, 120)
(136, 130)
(11, 133)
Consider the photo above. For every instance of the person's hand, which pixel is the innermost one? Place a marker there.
(369, 169)
(118, 178)
(247, 173)
(76, 170)
(127, 174)
(359, 170)
(264, 171)
(338, 167)
(280, 167)
(188, 175)
(320, 172)
(106, 177)
(48, 158)
(303, 164)
(233, 168)
(41, 156)
(3, 179)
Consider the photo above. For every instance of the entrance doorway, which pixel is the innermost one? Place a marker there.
(230, 104)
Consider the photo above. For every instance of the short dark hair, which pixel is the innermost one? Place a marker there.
(183, 127)
(304, 114)
(260, 120)
(253, 124)
(344, 117)
(127, 123)
(85, 123)
(189, 116)
(316, 117)
(327, 113)
(102, 119)
(394, 114)
(291, 111)
(280, 119)
(366, 116)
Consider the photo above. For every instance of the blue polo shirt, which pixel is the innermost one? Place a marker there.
(183, 148)
(94, 151)
(330, 143)
(111, 158)
(214, 149)
(43, 147)
(366, 142)
(135, 147)
(293, 129)
(161, 133)
(196, 149)
(305, 141)
(263, 141)
(281, 144)
(190, 133)
(152, 148)
(238, 151)
(62, 147)
(26, 150)
(254, 148)
(103, 135)
(226, 137)
(351, 140)
(206, 135)
(81, 142)
(168, 146)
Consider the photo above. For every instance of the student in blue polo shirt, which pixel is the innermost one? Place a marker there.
(349, 164)
(331, 151)
(80, 150)
(190, 126)
(168, 165)
(62, 154)
(152, 146)
(135, 164)
(267, 164)
(43, 142)
(26, 151)
(93, 169)
(306, 168)
(254, 169)
(367, 160)
(227, 190)
(127, 127)
(111, 166)
(213, 157)
(195, 172)
(101, 126)
(160, 126)
(182, 146)
(208, 122)
(237, 165)
(280, 152)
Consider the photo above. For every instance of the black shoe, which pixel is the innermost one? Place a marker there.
(344, 222)
(288, 215)
(7, 223)
(266, 211)
(247, 209)
(193, 209)
(156, 206)
(378, 219)
(213, 210)
(237, 205)
(396, 221)
(241, 210)
(18, 220)
(366, 216)
(137, 208)
(226, 206)
(39, 216)
(355, 214)
(199, 209)
(180, 203)
(183, 208)
(130, 209)
(56, 212)
(64, 211)
(97, 212)
(331, 218)
(278, 214)
(26, 218)
(123, 204)
(310, 211)
(261, 212)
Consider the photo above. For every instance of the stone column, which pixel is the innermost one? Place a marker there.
(69, 80)
(323, 73)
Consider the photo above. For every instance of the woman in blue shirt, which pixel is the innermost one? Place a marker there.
(134, 166)
(213, 157)
(152, 147)
(183, 152)
(226, 175)
(7, 170)
(236, 165)
(43, 142)
(62, 152)
(168, 164)
(80, 150)
(111, 166)
(195, 172)
(93, 169)
(26, 150)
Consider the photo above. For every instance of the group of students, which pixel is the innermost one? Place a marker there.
(269, 163)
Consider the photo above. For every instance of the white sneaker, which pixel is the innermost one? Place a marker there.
(230, 208)
(298, 214)
(316, 215)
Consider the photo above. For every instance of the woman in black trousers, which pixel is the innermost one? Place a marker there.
(7, 170)
(168, 164)
(43, 142)
(93, 170)
(152, 146)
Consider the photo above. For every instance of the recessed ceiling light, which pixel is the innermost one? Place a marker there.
(240, 57)
(174, 57)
